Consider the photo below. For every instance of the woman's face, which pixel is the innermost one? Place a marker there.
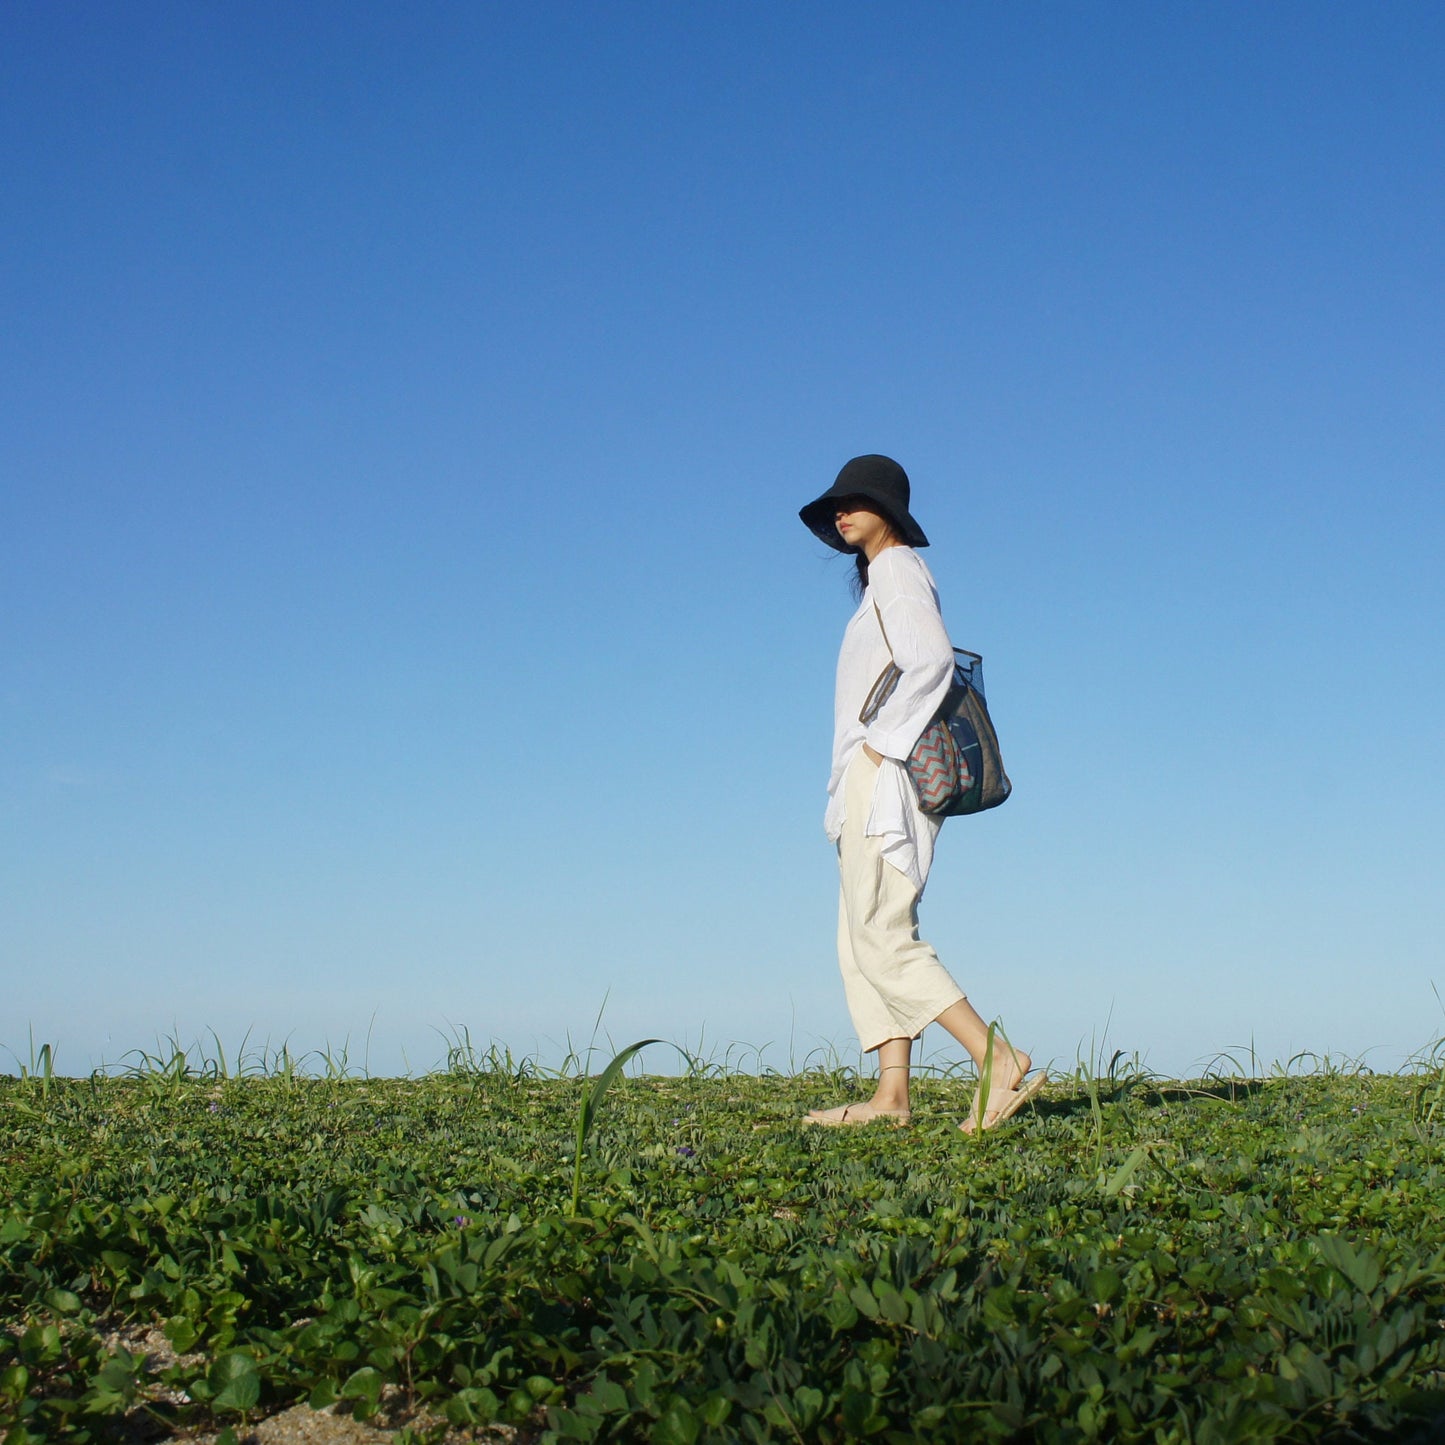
(862, 527)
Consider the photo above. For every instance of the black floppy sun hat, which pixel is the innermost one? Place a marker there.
(879, 480)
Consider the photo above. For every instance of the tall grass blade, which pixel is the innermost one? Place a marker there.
(593, 1092)
(985, 1083)
(1125, 1172)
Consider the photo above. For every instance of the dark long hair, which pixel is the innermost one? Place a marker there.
(859, 581)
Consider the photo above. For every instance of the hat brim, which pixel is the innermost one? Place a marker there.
(818, 517)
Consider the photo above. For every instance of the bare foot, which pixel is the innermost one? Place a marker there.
(1001, 1104)
(1009, 1068)
(864, 1113)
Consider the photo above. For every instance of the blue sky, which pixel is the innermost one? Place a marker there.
(407, 623)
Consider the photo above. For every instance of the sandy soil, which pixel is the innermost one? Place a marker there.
(297, 1425)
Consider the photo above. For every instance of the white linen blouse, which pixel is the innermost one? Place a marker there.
(903, 590)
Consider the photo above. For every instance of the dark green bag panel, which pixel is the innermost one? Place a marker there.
(964, 712)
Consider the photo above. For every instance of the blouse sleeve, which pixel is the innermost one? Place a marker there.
(908, 607)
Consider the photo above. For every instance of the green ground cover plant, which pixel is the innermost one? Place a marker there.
(676, 1259)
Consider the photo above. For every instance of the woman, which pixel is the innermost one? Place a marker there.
(893, 981)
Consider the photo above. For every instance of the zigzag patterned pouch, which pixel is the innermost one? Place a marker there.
(955, 765)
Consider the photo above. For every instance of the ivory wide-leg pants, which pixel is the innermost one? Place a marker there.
(893, 981)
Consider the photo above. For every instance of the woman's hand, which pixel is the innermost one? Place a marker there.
(876, 758)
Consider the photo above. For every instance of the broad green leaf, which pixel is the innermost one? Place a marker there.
(234, 1381)
(182, 1333)
(677, 1425)
(1355, 1262)
(363, 1386)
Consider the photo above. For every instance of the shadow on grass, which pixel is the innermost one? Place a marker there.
(1083, 1100)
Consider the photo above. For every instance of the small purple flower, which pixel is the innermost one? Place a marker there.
(685, 1151)
(461, 1221)
(215, 1108)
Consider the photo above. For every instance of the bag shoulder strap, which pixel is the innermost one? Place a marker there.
(887, 679)
(958, 651)
(882, 629)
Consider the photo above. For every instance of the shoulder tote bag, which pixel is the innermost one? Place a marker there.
(955, 765)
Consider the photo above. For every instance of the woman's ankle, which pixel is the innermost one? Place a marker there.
(890, 1090)
(890, 1099)
(1012, 1068)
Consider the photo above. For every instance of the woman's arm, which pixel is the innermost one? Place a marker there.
(921, 650)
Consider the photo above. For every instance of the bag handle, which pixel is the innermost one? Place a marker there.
(887, 679)
(879, 615)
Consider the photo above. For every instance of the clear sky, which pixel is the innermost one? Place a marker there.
(405, 623)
